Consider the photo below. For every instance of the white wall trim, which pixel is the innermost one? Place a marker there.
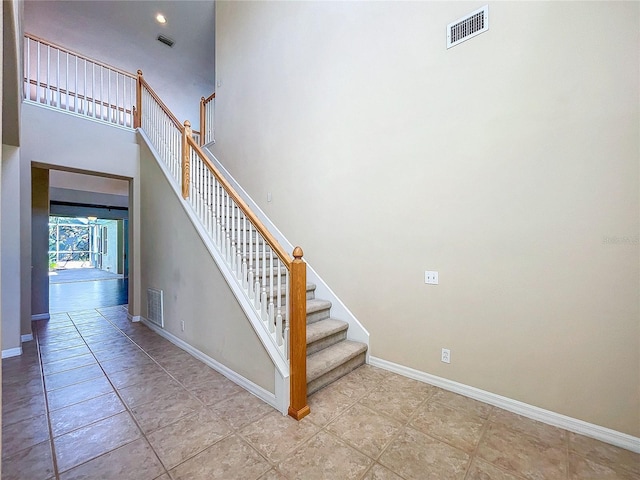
(603, 434)
(245, 383)
(12, 352)
(133, 318)
(40, 316)
(339, 310)
(26, 338)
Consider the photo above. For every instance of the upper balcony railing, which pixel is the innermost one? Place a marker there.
(66, 80)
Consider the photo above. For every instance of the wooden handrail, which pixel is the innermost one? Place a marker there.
(271, 240)
(79, 55)
(143, 83)
(209, 98)
(77, 95)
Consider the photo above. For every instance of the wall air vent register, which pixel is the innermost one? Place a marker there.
(468, 26)
(155, 312)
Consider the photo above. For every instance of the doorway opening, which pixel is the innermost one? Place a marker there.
(88, 265)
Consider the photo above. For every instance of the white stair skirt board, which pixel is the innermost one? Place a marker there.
(26, 338)
(356, 331)
(281, 384)
(12, 352)
(581, 427)
(133, 318)
(40, 316)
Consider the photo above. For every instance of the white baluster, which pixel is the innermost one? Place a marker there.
(250, 266)
(239, 250)
(271, 307)
(58, 78)
(66, 81)
(117, 112)
(263, 295)
(286, 309)
(226, 227)
(279, 332)
(232, 260)
(218, 212)
(279, 310)
(75, 87)
(256, 277)
(244, 252)
(286, 341)
(93, 88)
(38, 73)
(207, 186)
(48, 92)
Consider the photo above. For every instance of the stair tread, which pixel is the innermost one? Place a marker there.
(326, 360)
(324, 328)
(316, 304)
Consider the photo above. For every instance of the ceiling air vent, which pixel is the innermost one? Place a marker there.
(155, 312)
(166, 40)
(468, 26)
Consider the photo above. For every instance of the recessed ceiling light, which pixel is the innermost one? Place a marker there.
(161, 18)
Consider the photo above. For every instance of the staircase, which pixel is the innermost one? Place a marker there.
(218, 212)
(329, 354)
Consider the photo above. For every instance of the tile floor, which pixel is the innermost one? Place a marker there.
(120, 402)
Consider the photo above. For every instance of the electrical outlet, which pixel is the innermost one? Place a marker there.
(182, 325)
(431, 277)
(446, 355)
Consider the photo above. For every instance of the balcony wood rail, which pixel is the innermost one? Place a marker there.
(207, 119)
(244, 242)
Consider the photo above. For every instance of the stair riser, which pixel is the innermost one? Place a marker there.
(326, 342)
(318, 315)
(336, 373)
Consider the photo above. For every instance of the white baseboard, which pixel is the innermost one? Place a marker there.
(26, 338)
(12, 352)
(581, 427)
(40, 316)
(245, 383)
(133, 318)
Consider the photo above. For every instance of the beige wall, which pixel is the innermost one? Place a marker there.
(10, 248)
(90, 183)
(175, 260)
(56, 140)
(39, 242)
(508, 163)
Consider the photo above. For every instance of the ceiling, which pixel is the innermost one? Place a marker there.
(124, 34)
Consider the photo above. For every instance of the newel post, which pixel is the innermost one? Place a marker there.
(298, 407)
(203, 126)
(137, 118)
(186, 158)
